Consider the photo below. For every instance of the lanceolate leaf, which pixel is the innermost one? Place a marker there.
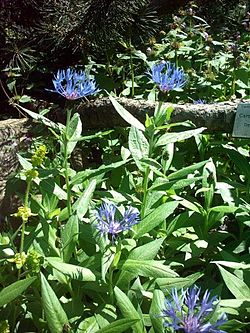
(128, 310)
(70, 237)
(126, 115)
(73, 271)
(118, 326)
(147, 251)
(54, 312)
(43, 119)
(74, 131)
(187, 170)
(237, 286)
(156, 310)
(150, 268)
(82, 203)
(138, 145)
(15, 289)
(178, 282)
(155, 218)
(176, 137)
(84, 175)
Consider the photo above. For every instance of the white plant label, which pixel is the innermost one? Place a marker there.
(242, 121)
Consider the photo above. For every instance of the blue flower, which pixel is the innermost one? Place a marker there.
(167, 76)
(200, 101)
(73, 85)
(109, 222)
(189, 313)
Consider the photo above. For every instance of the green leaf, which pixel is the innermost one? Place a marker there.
(147, 251)
(237, 287)
(81, 176)
(149, 268)
(25, 99)
(217, 212)
(153, 165)
(153, 219)
(242, 84)
(240, 161)
(44, 120)
(234, 325)
(118, 326)
(176, 137)
(209, 183)
(162, 184)
(187, 170)
(26, 165)
(193, 206)
(223, 209)
(144, 252)
(234, 303)
(82, 204)
(73, 271)
(15, 289)
(128, 310)
(232, 264)
(139, 54)
(50, 186)
(138, 145)
(73, 132)
(88, 325)
(106, 262)
(155, 311)
(70, 237)
(54, 312)
(126, 115)
(178, 282)
(178, 222)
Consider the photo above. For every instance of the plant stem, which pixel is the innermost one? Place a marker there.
(65, 164)
(26, 200)
(132, 75)
(111, 289)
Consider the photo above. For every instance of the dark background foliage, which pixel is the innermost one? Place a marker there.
(32, 31)
(39, 36)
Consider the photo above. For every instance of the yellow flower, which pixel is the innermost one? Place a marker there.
(19, 259)
(39, 155)
(24, 213)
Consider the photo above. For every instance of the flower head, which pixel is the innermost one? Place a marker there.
(73, 85)
(200, 101)
(190, 313)
(167, 76)
(109, 221)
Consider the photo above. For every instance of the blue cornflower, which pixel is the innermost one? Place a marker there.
(189, 313)
(200, 101)
(109, 222)
(73, 84)
(167, 76)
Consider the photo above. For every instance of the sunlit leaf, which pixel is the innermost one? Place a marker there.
(54, 312)
(11, 292)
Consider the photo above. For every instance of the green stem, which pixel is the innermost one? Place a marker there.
(26, 200)
(65, 165)
(157, 121)
(132, 75)
(111, 289)
(233, 84)
(146, 178)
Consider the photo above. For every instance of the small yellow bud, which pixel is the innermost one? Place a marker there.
(39, 155)
(24, 213)
(31, 174)
(19, 259)
(4, 326)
